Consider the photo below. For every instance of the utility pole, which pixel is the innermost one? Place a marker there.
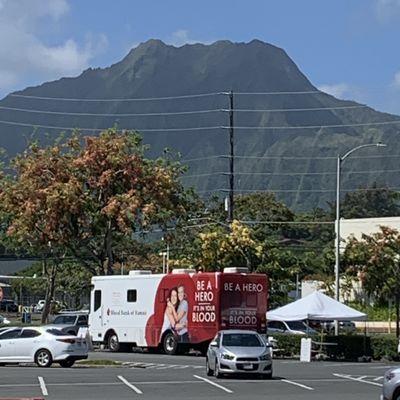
(231, 159)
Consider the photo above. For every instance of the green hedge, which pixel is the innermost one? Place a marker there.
(384, 346)
(349, 347)
(288, 345)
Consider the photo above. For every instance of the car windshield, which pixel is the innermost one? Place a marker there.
(55, 332)
(297, 326)
(64, 320)
(241, 340)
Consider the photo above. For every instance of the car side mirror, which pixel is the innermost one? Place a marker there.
(213, 344)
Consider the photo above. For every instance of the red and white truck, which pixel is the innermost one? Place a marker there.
(174, 311)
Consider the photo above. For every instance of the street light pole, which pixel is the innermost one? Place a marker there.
(340, 159)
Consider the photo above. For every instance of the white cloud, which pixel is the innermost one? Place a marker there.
(182, 37)
(338, 90)
(23, 53)
(397, 79)
(387, 10)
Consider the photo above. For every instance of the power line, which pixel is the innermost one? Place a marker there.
(309, 190)
(257, 222)
(288, 173)
(276, 93)
(206, 174)
(298, 109)
(287, 157)
(312, 158)
(188, 96)
(110, 115)
(200, 128)
(314, 173)
(312, 126)
(201, 158)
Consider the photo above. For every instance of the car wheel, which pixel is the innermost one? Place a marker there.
(170, 344)
(67, 363)
(267, 376)
(43, 358)
(113, 343)
(209, 371)
(217, 372)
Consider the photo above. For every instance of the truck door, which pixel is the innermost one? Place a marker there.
(96, 314)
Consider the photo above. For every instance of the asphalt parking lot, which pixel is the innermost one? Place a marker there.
(158, 376)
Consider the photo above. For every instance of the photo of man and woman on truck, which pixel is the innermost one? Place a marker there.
(176, 314)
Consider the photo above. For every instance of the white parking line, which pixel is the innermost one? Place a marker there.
(378, 378)
(43, 387)
(133, 387)
(214, 384)
(357, 380)
(297, 384)
(167, 367)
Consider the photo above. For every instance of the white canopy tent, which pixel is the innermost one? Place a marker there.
(316, 306)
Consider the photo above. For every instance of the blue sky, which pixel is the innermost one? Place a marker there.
(347, 47)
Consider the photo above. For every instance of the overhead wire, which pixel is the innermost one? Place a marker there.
(68, 128)
(188, 96)
(313, 126)
(27, 110)
(296, 109)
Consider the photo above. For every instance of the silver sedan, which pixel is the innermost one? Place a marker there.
(239, 351)
(391, 385)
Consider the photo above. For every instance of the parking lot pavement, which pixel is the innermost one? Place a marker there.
(163, 377)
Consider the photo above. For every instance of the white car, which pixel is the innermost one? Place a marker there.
(40, 305)
(4, 320)
(289, 328)
(42, 346)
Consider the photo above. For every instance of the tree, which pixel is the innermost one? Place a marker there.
(85, 197)
(375, 259)
(373, 202)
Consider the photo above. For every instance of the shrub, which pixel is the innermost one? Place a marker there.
(349, 347)
(289, 345)
(384, 346)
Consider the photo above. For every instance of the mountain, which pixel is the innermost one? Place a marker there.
(298, 163)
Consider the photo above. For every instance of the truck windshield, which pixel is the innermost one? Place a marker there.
(241, 340)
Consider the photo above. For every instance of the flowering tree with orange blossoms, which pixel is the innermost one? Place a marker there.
(85, 198)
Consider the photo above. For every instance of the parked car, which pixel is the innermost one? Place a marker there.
(4, 320)
(39, 306)
(344, 326)
(8, 305)
(391, 385)
(289, 328)
(70, 322)
(239, 351)
(41, 345)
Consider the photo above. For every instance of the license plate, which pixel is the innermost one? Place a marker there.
(247, 366)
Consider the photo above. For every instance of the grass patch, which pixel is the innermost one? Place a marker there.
(99, 362)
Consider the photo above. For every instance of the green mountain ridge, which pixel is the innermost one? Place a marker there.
(154, 69)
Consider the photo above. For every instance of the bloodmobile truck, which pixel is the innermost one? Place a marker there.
(175, 311)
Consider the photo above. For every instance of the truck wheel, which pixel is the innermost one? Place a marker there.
(113, 343)
(170, 344)
(43, 358)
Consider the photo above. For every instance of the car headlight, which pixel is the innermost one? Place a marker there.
(265, 356)
(227, 356)
(390, 376)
